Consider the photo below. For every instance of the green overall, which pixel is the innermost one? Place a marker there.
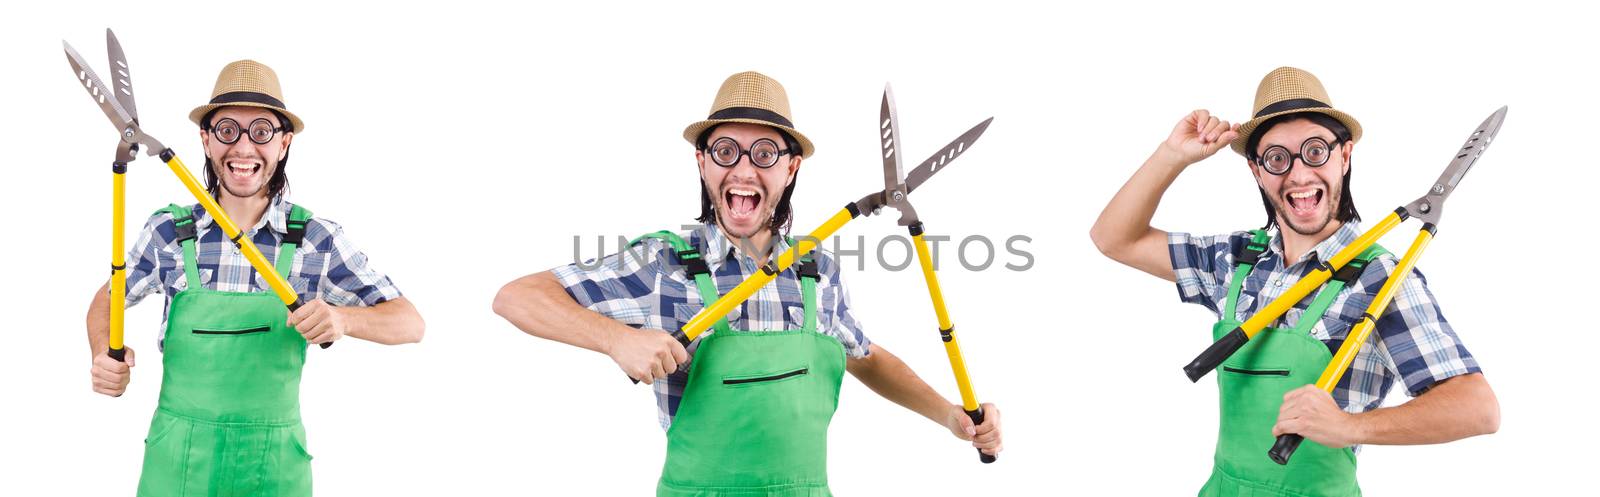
(228, 422)
(1252, 385)
(754, 416)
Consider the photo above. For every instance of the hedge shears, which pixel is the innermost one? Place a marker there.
(1426, 208)
(119, 107)
(897, 188)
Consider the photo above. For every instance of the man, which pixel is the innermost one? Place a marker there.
(228, 420)
(1298, 148)
(749, 414)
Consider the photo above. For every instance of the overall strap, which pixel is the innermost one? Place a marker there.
(1244, 259)
(183, 226)
(1344, 277)
(808, 288)
(695, 266)
(292, 238)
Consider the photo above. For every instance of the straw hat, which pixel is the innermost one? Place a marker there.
(753, 98)
(1287, 90)
(247, 83)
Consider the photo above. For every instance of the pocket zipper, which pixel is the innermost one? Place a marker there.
(261, 329)
(1257, 372)
(776, 377)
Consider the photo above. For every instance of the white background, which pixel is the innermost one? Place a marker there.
(465, 144)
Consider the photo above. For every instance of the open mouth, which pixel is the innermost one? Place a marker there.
(1304, 202)
(241, 170)
(742, 202)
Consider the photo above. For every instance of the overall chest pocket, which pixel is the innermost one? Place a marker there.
(765, 378)
(231, 330)
(1265, 372)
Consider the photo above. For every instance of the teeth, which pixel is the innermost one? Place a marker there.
(745, 193)
(1305, 194)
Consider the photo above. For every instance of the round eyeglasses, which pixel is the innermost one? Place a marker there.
(764, 153)
(261, 131)
(1314, 152)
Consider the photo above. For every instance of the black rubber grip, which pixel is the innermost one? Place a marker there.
(1215, 354)
(977, 419)
(118, 354)
(1284, 447)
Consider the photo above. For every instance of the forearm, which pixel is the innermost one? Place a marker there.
(539, 306)
(1457, 408)
(890, 378)
(389, 323)
(1123, 228)
(98, 321)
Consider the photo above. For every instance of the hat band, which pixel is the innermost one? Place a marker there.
(752, 113)
(1292, 104)
(234, 97)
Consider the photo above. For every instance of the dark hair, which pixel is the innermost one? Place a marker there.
(1341, 133)
(277, 184)
(782, 217)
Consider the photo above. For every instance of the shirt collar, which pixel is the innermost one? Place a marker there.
(718, 248)
(1322, 251)
(276, 217)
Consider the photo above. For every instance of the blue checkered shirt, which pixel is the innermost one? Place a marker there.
(645, 287)
(1413, 342)
(326, 265)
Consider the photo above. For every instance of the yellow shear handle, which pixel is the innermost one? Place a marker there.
(709, 315)
(251, 253)
(119, 279)
(1312, 281)
(947, 332)
(1287, 443)
(1358, 335)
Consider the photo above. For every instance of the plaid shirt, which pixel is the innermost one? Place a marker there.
(1413, 341)
(646, 288)
(326, 264)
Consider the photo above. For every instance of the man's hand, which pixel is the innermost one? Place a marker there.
(986, 437)
(318, 322)
(645, 354)
(109, 376)
(1198, 136)
(1311, 413)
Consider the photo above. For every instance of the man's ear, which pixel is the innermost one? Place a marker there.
(1347, 148)
(288, 136)
(794, 168)
(205, 143)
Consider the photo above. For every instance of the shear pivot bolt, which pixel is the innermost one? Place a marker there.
(1425, 207)
(1438, 189)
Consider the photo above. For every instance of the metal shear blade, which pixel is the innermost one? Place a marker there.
(117, 105)
(1428, 207)
(897, 185)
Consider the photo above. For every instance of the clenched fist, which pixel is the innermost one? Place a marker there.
(109, 376)
(318, 322)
